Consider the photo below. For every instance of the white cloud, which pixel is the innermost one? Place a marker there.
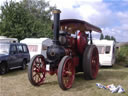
(93, 11)
(98, 13)
(123, 17)
(117, 32)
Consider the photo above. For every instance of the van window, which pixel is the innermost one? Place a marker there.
(101, 49)
(107, 51)
(19, 48)
(25, 49)
(32, 48)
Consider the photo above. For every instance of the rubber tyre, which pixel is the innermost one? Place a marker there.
(87, 62)
(60, 72)
(24, 65)
(30, 75)
(3, 68)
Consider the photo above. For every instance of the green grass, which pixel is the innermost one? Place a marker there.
(122, 55)
(15, 83)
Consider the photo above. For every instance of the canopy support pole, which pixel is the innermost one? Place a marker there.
(91, 37)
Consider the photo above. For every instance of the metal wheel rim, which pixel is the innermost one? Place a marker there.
(38, 70)
(94, 62)
(68, 73)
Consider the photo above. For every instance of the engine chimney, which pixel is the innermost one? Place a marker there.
(56, 26)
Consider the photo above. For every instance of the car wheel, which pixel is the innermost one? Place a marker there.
(23, 65)
(3, 68)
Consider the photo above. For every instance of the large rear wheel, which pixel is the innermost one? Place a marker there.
(66, 73)
(90, 62)
(37, 70)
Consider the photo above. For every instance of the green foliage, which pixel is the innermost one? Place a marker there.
(101, 36)
(113, 38)
(107, 37)
(122, 55)
(28, 18)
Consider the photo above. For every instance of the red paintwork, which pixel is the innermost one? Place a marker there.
(75, 61)
(68, 73)
(95, 63)
(67, 51)
(81, 42)
(74, 50)
(71, 42)
(39, 71)
(52, 71)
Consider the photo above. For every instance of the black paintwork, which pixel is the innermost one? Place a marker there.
(56, 27)
(54, 54)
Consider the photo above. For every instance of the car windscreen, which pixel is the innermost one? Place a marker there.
(4, 48)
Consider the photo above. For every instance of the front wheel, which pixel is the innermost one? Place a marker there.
(36, 70)
(66, 73)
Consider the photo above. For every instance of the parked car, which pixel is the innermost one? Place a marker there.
(12, 56)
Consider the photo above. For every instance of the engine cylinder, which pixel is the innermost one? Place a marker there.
(55, 52)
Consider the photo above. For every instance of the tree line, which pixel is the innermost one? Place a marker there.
(26, 19)
(107, 37)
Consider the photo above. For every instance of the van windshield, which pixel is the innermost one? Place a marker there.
(103, 49)
(4, 48)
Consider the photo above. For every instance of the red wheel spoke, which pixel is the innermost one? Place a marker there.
(95, 62)
(38, 70)
(34, 75)
(39, 75)
(68, 73)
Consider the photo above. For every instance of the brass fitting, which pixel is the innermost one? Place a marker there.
(56, 11)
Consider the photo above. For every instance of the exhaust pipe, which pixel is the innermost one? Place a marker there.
(56, 25)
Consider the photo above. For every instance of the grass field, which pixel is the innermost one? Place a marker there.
(15, 83)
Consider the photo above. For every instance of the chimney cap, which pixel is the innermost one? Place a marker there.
(56, 11)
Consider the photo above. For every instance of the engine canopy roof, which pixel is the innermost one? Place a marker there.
(72, 25)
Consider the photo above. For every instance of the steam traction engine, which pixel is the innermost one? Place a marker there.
(69, 53)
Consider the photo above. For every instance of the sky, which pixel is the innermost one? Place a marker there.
(110, 15)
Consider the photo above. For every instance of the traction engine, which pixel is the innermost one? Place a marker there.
(70, 53)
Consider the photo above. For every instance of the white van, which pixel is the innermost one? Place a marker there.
(37, 45)
(6, 39)
(106, 50)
